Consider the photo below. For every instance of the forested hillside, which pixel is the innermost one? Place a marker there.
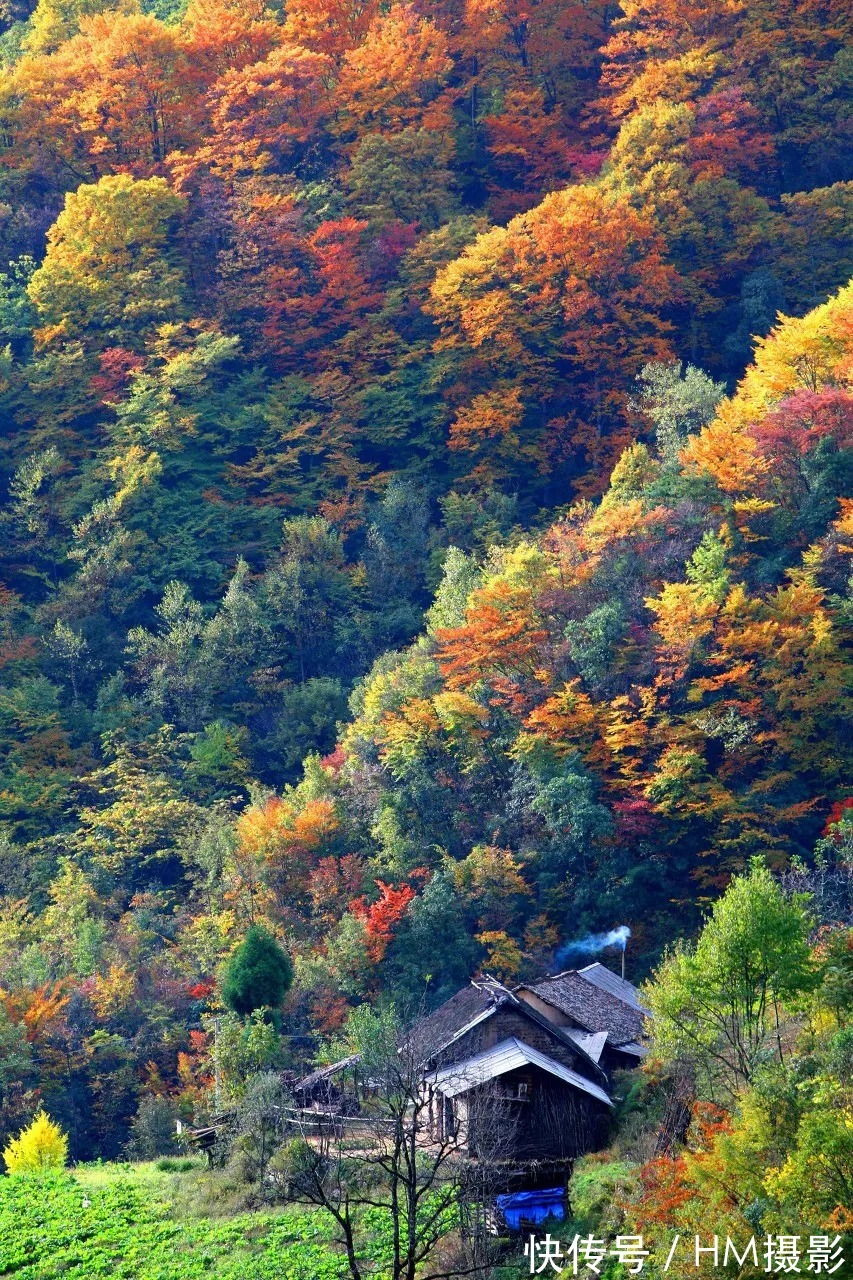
(427, 507)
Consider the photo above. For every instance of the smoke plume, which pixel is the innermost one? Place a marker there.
(593, 943)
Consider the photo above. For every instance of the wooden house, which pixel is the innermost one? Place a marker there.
(333, 1088)
(486, 1054)
(521, 1077)
(516, 1080)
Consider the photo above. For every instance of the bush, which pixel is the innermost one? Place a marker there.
(599, 1191)
(153, 1130)
(41, 1146)
(260, 1128)
(168, 1165)
(246, 1047)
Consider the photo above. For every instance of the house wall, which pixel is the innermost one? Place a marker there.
(554, 1122)
(549, 1011)
(612, 1060)
(511, 1022)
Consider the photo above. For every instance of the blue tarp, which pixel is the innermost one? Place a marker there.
(532, 1206)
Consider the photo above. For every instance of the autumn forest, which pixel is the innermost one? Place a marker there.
(426, 537)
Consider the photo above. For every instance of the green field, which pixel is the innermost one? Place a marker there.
(144, 1221)
(119, 1221)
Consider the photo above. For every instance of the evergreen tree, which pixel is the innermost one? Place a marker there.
(259, 974)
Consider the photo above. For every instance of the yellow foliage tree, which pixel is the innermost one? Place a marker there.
(503, 954)
(490, 881)
(108, 271)
(54, 21)
(811, 353)
(41, 1146)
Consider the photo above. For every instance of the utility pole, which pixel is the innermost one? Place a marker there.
(217, 1084)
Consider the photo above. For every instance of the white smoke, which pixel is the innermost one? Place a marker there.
(595, 942)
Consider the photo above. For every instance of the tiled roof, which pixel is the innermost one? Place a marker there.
(473, 1004)
(326, 1073)
(601, 976)
(434, 1031)
(510, 1054)
(591, 1007)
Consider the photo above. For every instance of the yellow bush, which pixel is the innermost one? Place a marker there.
(42, 1146)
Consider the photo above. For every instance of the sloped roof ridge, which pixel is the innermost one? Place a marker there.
(606, 980)
(489, 985)
(590, 1005)
(514, 1052)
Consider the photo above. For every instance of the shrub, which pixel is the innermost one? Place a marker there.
(41, 1146)
(260, 1127)
(246, 1047)
(169, 1165)
(153, 1130)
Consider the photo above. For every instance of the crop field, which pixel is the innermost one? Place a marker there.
(117, 1223)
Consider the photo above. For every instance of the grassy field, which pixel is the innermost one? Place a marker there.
(171, 1220)
(119, 1220)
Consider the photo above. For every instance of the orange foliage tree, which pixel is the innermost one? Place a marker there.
(540, 305)
(117, 98)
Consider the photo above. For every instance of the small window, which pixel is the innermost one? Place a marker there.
(523, 1089)
(449, 1119)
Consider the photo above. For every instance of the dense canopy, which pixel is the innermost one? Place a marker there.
(426, 527)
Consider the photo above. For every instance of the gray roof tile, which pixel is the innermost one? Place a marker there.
(590, 1006)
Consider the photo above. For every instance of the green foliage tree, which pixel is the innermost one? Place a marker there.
(405, 176)
(678, 401)
(243, 1049)
(816, 1176)
(72, 932)
(707, 567)
(260, 1130)
(433, 954)
(153, 1130)
(591, 641)
(312, 591)
(259, 974)
(17, 316)
(33, 518)
(719, 1005)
